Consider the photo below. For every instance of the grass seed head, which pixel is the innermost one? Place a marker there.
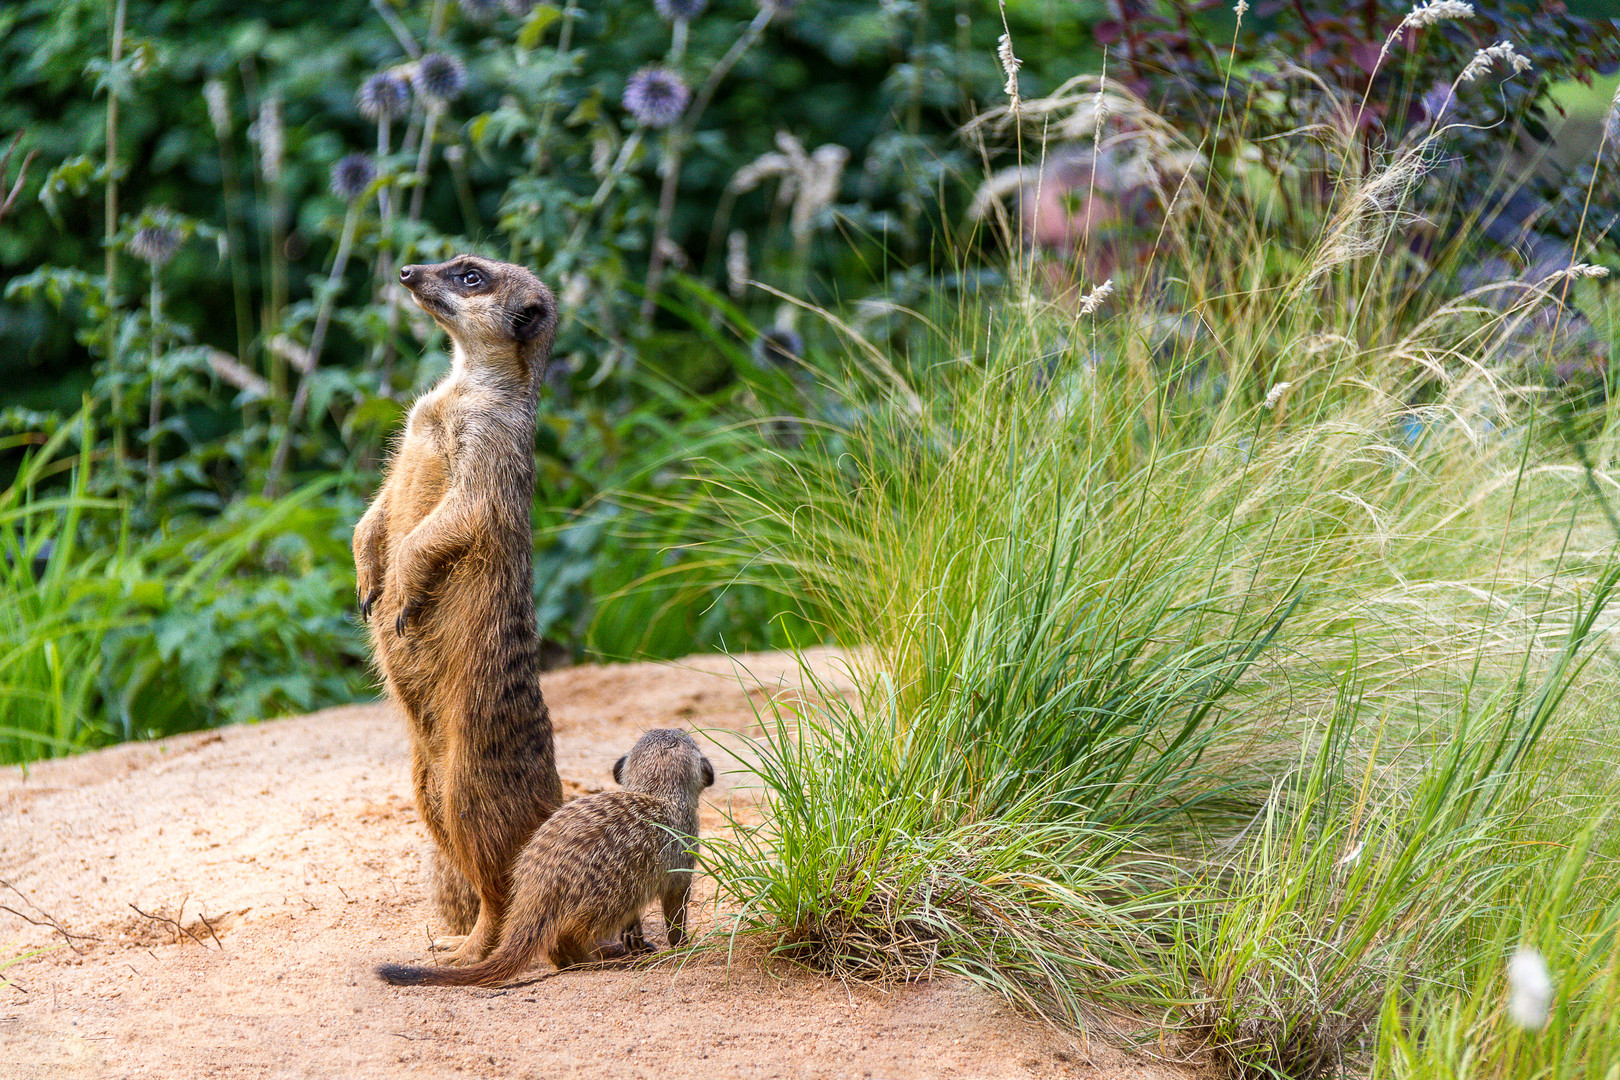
(1094, 299)
(219, 106)
(1485, 58)
(1009, 66)
(1430, 12)
(1529, 988)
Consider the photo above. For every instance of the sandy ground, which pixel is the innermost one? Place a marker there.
(230, 891)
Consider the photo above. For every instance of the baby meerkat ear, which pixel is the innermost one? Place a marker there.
(618, 769)
(708, 773)
(527, 320)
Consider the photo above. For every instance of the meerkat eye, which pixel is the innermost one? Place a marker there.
(472, 279)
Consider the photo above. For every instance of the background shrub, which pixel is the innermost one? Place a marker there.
(218, 277)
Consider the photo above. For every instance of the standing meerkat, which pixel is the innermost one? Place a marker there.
(443, 562)
(581, 883)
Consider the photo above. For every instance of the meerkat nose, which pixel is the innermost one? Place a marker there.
(406, 273)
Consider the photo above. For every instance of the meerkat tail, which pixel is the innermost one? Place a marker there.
(519, 947)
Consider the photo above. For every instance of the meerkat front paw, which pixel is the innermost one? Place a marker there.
(407, 612)
(368, 599)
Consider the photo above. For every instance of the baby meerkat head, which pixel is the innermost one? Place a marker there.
(490, 309)
(664, 761)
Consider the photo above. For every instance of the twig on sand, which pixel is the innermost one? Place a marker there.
(45, 919)
(211, 931)
(178, 929)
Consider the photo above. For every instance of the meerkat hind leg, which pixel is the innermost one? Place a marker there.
(485, 934)
(610, 950)
(455, 901)
(571, 946)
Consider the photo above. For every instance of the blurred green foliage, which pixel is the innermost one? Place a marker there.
(181, 255)
(226, 122)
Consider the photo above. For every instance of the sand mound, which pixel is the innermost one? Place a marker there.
(229, 892)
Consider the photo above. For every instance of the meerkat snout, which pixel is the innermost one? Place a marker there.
(488, 308)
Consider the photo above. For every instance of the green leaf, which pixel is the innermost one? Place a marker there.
(375, 414)
(73, 177)
(535, 26)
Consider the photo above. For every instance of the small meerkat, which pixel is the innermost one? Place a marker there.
(581, 883)
(443, 562)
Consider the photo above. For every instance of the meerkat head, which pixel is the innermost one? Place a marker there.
(491, 310)
(664, 760)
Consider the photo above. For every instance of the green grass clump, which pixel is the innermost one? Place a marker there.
(1494, 1021)
(51, 624)
(1220, 677)
(107, 635)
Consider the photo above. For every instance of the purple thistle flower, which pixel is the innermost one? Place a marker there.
(156, 244)
(440, 76)
(680, 9)
(352, 175)
(384, 96)
(656, 97)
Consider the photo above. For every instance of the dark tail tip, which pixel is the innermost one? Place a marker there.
(405, 975)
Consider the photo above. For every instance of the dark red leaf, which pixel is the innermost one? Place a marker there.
(1365, 55)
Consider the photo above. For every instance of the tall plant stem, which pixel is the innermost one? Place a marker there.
(385, 197)
(456, 155)
(110, 227)
(400, 31)
(271, 168)
(261, 197)
(676, 147)
(542, 130)
(236, 244)
(317, 339)
(429, 126)
(154, 410)
(602, 189)
(385, 260)
(423, 119)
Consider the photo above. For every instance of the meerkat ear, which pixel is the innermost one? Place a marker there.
(708, 773)
(527, 320)
(618, 769)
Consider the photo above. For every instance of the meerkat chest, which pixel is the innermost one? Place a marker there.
(424, 468)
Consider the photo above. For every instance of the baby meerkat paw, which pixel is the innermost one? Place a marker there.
(449, 942)
(631, 939)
